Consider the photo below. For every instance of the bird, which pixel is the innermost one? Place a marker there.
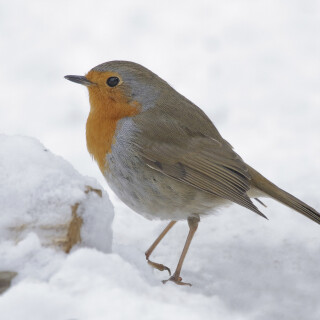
(163, 156)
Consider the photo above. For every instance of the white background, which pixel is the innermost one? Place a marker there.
(253, 66)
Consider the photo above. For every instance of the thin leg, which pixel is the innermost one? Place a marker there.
(193, 225)
(155, 265)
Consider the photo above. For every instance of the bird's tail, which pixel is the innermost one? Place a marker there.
(263, 184)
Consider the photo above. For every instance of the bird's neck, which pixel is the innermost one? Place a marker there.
(101, 126)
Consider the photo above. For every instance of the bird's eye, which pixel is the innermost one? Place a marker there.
(112, 81)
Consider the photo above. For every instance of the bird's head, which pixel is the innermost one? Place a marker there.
(121, 83)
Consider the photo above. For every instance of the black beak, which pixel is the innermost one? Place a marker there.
(80, 79)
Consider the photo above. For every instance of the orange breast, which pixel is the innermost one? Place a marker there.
(107, 108)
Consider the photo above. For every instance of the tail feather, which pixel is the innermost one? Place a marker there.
(263, 184)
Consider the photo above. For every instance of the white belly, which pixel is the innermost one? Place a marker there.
(147, 191)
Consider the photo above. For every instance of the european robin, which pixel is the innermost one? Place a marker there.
(162, 155)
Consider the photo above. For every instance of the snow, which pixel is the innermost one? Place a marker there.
(253, 66)
(38, 191)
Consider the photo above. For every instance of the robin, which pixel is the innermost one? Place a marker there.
(162, 155)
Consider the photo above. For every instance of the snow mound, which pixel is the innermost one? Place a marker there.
(46, 207)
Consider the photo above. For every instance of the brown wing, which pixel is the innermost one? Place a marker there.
(194, 158)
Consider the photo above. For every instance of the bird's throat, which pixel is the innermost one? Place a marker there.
(101, 126)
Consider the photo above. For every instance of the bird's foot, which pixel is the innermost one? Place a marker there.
(158, 266)
(177, 280)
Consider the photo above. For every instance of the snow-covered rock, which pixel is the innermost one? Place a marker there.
(45, 202)
(42, 193)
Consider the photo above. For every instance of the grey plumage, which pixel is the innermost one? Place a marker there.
(177, 139)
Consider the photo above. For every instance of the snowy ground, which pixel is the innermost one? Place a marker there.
(254, 67)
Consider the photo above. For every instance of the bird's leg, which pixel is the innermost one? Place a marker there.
(193, 225)
(155, 265)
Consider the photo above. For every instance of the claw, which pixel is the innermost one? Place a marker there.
(177, 280)
(159, 266)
